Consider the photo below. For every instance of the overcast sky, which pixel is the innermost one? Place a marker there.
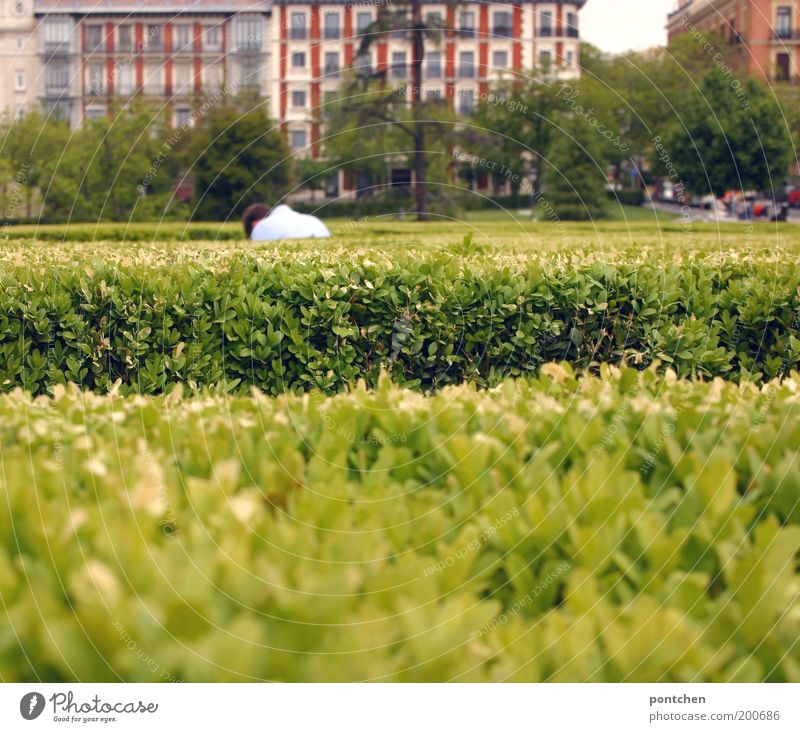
(621, 25)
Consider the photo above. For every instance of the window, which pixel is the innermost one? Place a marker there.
(298, 26)
(124, 80)
(59, 110)
(399, 34)
(249, 72)
(466, 65)
(570, 58)
(94, 37)
(332, 63)
(783, 64)
(20, 42)
(213, 75)
(247, 34)
(434, 20)
(467, 101)
(124, 39)
(363, 20)
(183, 77)
(572, 25)
(182, 117)
(546, 24)
(466, 24)
(783, 26)
(96, 78)
(434, 65)
(56, 77)
(297, 139)
(19, 112)
(298, 60)
(363, 61)
(500, 60)
(399, 64)
(182, 38)
(153, 38)
(502, 25)
(212, 38)
(545, 59)
(56, 33)
(95, 112)
(332, 25)
(19, 81)
(152, 78)
(298, 99)
(433, 93)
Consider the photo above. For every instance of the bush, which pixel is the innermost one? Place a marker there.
(301, 321)
(616, 529)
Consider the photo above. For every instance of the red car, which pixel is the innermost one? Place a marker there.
(793, 199)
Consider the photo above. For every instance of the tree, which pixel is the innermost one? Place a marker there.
(116, 168)
(389, 105)
(576, 181)
(311, 174)
(731, 135)
(239, 157)
(30, 149)
(519, 119)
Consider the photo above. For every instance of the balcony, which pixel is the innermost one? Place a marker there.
(572, 32)
(503, 31)
(787, 34)
(466, 32)
(58, 48)
(544, 32)
(331, 34)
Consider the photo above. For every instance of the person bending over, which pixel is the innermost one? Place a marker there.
(264, 224)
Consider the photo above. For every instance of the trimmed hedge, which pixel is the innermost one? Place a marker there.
(629, 528)
(324, 321)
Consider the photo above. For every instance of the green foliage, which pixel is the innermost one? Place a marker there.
(240, 157)
(728, 139)
(576, 180)
(629, 528)
(154, 316)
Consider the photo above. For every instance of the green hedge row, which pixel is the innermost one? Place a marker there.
(312, 321)
(629, 528)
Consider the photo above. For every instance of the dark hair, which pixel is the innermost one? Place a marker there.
(252, 215)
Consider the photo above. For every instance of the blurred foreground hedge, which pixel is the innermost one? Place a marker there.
(629, 528)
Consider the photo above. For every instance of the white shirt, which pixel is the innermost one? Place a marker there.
(284, 223)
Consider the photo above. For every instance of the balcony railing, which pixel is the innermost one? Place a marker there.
(503, 31)
(332, 34)
(53, 48)
(787, 34)
(544, 32)
(572, 32)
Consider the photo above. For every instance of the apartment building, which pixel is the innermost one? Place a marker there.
(90, 55)
(763, 36)
(19, 62)
(310, 43)
(77, 58)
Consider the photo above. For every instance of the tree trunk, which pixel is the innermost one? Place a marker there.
(418, 51)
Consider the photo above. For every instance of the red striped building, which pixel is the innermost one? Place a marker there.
(312, 42)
